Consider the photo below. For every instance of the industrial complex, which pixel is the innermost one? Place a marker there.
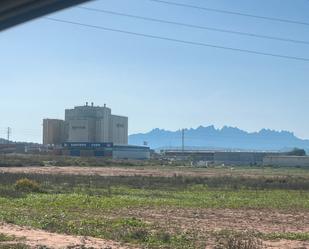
(91, 131)
(236, 158)
(86, 124)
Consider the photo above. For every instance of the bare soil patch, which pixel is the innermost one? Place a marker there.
(35, 238)
(205, 220)
(286, 244)
(141, 171)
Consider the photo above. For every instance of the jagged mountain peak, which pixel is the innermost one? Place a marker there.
(226, 137)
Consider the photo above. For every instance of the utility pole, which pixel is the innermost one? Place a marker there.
(9, 131)
(183, 139)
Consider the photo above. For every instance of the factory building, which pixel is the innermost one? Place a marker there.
(108, 150)
(86, 124)
(95, 124)
(92, 131)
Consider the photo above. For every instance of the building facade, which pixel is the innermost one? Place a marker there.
(231, 158)
(53, 131)
(108, 150)
(87, 124)
(286, 161)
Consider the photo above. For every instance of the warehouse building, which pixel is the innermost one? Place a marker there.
(240, 157)
(130, 152)
(220, 157)
(196, 155)
(286, 161)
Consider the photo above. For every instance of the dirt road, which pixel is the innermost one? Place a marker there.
(141, 171)
(106, 171)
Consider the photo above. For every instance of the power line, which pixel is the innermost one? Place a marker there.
(231, 12)
(195, 26)
(180, 41)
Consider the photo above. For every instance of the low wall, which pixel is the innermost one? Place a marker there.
(302, 161)
(138, 154)
(240, 158)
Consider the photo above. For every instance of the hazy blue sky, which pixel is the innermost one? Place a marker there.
(47, 66)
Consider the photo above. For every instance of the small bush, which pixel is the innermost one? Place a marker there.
(27, 185)
(165, 237)
(140, 234)
(239, 241)
(244, 243)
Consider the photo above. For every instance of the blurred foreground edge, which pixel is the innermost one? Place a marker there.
(14, 12)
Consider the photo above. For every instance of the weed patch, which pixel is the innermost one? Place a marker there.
(4, 238)
(27, 185)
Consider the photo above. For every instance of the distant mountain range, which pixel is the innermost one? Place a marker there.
(225, 138)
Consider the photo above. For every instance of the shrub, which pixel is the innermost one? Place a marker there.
(234, 240)
(27, 185)
(165, 237)
(140, 234)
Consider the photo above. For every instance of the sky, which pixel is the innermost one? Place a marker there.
(47, 66)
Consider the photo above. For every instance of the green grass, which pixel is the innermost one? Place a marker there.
(88, 205)
(82, 214)
(124, 197)
(288, 236)
(5, 238)
(14, 246)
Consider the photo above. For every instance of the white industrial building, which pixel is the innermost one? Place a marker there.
(87, 124)
(92, 131)
(95, 124)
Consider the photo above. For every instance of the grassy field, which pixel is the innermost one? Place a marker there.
(159, 212)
